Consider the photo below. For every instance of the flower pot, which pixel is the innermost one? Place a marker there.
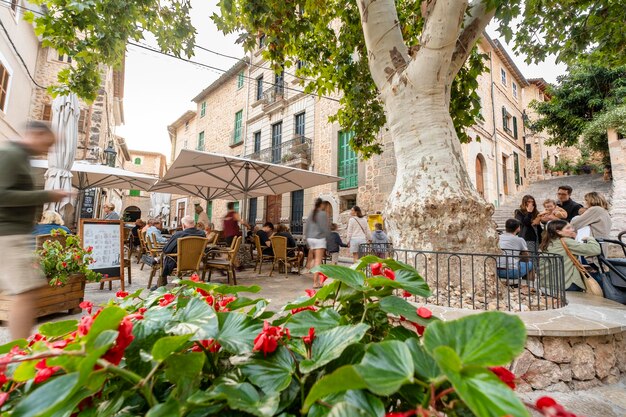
(50, 300)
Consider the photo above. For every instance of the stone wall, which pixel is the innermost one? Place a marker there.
(570, 363)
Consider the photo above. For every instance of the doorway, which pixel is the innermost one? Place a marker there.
(480, 180)
(131, 213)
(273, 208)
(505, 180)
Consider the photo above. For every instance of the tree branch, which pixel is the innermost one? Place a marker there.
(387, 52)
(476, 20)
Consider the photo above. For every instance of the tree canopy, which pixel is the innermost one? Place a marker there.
(579, 103)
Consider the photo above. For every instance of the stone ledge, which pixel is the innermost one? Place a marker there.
(585, 315)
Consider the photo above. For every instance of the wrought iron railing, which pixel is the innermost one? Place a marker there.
(274, 94)
(484, 281)
(297, 149)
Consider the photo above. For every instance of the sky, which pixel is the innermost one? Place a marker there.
(159, 89)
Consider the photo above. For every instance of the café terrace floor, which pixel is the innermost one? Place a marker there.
(605, 401)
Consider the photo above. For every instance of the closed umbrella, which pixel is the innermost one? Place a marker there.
(65, 116)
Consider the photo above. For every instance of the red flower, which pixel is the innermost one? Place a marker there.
(35, 338)
(64, 264)
(310, 292)
(376, 268)
(210, 300)
(401, 413)
(424, 313)
(85, 325)
(4, 396)
(505, 375)
(124, 338)
(227, 300)
(142, 310)
(195, 278)
(89, 249)
(267, 340)
(550, 408)
(299, 309)
(389, 274)
(419, 329)
(166, 299)
(406, 294)
(44, 372)
(308, 340)
(3, 379)
(60, 344)
(86, 305)
(209, 344)
(202, 292)
(322, 277)
(121, 294)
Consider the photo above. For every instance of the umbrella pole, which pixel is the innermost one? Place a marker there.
(244, 209)
(79, 208)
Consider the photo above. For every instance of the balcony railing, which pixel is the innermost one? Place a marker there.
(274, 94)
(294, 152)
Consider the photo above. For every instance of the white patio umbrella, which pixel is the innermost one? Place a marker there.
(65, 115)
(237, 177)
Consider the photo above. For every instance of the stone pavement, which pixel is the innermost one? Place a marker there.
(605, 401)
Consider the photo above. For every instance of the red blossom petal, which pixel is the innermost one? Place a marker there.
(545, 402)
(406, 294)
(85, 325)
(389, 274)
(299, 309)
(376, 268)
(121, 294)
(424, 313)
(195, 278)
(322, 277)
(505, 375)
(166, 299)
(86, 305)
(309, 339)
(310, 292)
(4, 396)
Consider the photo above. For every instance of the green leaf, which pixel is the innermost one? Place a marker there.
(409, 280)
(235, 289)
(271, 374)
(368, 404)
(324, 319)
(322, 294)
(386, 366)
(425, 365)
(479, 388)
(184, 368)
(242, 302)
(47, 396)
(6, 348)
(350, 277)
(343, 379)
(485, 339)
(244, 397)
(108, 319)
(344, 409)
(25, 371)
(329, 345)
(197, 318)
(165, 346)
(237, 332)
(401, 307)
(171, 408)
(58, 328)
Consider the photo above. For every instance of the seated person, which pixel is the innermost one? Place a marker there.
(292, 246)
(139, 224)
(551, 212)
(169, 264)
(511, 267)
(50, 220)
(264, 236)
(155, 229)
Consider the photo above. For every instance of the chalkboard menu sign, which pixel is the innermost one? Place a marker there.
(89, 204)
(107, 239)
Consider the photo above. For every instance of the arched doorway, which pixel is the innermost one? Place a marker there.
(480, 178)
(131, 213)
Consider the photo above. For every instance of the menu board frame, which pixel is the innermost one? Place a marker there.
(112, 272)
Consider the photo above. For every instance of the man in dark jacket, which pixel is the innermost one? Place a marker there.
(18, 204)
(169, 264)
(572, 208)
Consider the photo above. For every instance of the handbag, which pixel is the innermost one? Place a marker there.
(611, 291)
(364, 232)
(591, 285)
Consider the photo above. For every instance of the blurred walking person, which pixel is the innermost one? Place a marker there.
(19, 202)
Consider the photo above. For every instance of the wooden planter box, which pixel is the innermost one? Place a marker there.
(50, 300)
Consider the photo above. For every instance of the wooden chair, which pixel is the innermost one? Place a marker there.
(260, 256)
(154, 253)
(279, 245)
(143, 250)
(40, 239)
(189, 253)
(224, 264)
(128, 253)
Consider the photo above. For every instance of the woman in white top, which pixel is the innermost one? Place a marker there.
(358, 231)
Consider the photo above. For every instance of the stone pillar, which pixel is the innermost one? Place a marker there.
(617, 149)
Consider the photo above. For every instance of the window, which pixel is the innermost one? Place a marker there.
(65, 58)
(137, 161)
(252, 211)
(300, 64)
(134, 193)
(47, 113)
(515, 127)
(514, 89)
(240, 80)
(506, 120)
(262, 41)
(202, 110)
(186, 126)
(480, 109)
(259, 88)
(347, 162)
(529, 151)
(503, 76)
(5, 77)
(257, 142)
(299, 125)
(200, 146)
(279, 83)
(297, 211)
(238, 126)
(516, 166)
(277, 139)
(14, 4)
(82, 121)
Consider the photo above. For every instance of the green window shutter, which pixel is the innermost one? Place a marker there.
(517, 171)
(515, 127)
(203, 109)
(504, 121)
(200, 146)
(209, 210)
(134, 193)
(348, 163)
(240, 80)
(238, 126)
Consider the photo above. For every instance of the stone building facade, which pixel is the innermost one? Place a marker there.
(137, 203)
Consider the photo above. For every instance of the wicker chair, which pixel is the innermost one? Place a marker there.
(143, 249)
(260, 256)
(40, 239)
(153, 253)
(279, 245)
(224, 264)
(189, 253)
